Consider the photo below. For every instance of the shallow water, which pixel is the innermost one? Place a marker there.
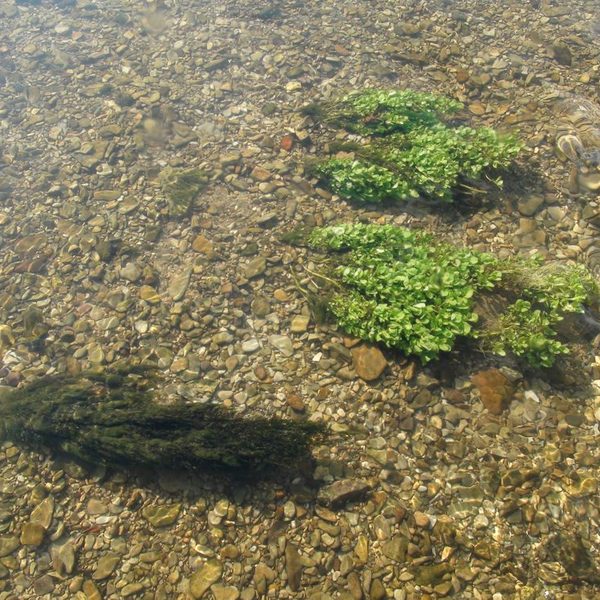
(101, 105)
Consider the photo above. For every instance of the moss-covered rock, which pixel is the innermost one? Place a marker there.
(182, 187)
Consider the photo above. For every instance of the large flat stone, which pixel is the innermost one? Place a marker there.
(206, 576)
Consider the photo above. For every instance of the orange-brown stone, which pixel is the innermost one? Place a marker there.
(495, 390)
(369, 362)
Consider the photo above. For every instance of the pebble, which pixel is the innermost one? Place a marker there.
(205, 577)
(255, 267)
(131, 272)
(299, 324)
(106, 565)
(342, 491)
(32, 534)
(368, 362)
(162, 516)
(8, 544)
(42, 514)
(282, 343)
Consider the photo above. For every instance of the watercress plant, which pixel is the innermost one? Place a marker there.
(405, 289)
(409, 150)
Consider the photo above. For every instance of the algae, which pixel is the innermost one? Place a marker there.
(298, 236)
(114, 419)
(182, 187)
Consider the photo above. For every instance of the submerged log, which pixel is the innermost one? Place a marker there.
(115, 420)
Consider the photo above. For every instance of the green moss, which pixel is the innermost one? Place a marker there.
(182, 188)
(314, 110)
(114, 419)
(33, 322)
(336, 146)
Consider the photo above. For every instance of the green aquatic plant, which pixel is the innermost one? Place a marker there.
(403, 290)
(527, 331)
(115, 420)
(407, 290)
(383, 112)
(411, 150)
(546, 293)
(182, 187)
(363, 181)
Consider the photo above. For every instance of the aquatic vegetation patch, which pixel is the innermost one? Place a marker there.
(182, 187)
(410, 149)
(406, 290)
(114, 419)
(383, 112)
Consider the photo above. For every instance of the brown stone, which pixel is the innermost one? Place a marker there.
(293, 566)
(287, 143)
(203, 245)
(202, 579)
(91, 591)
(296, 403)
(377, 591)
(462, 76)
(369, 362)
(281, 295)
(340, 492)
(260, 174)
(495, 390)
(32, 534)
(261, 373)
(453, 396)
(421, 519)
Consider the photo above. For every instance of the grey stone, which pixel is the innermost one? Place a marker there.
(179, 284)
(131, 272)
(8, 544)
(256, 267)
(283, 343)
(342, 491)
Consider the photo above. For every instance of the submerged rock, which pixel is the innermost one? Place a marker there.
(182, 188)
(340, 492)
(495, 390)
(162, 516)
(43, 512)
(32, 534)
(293, 566)
(369, 362)
(106, 566)
(568, 550)
(208, 575)
(8, 544)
